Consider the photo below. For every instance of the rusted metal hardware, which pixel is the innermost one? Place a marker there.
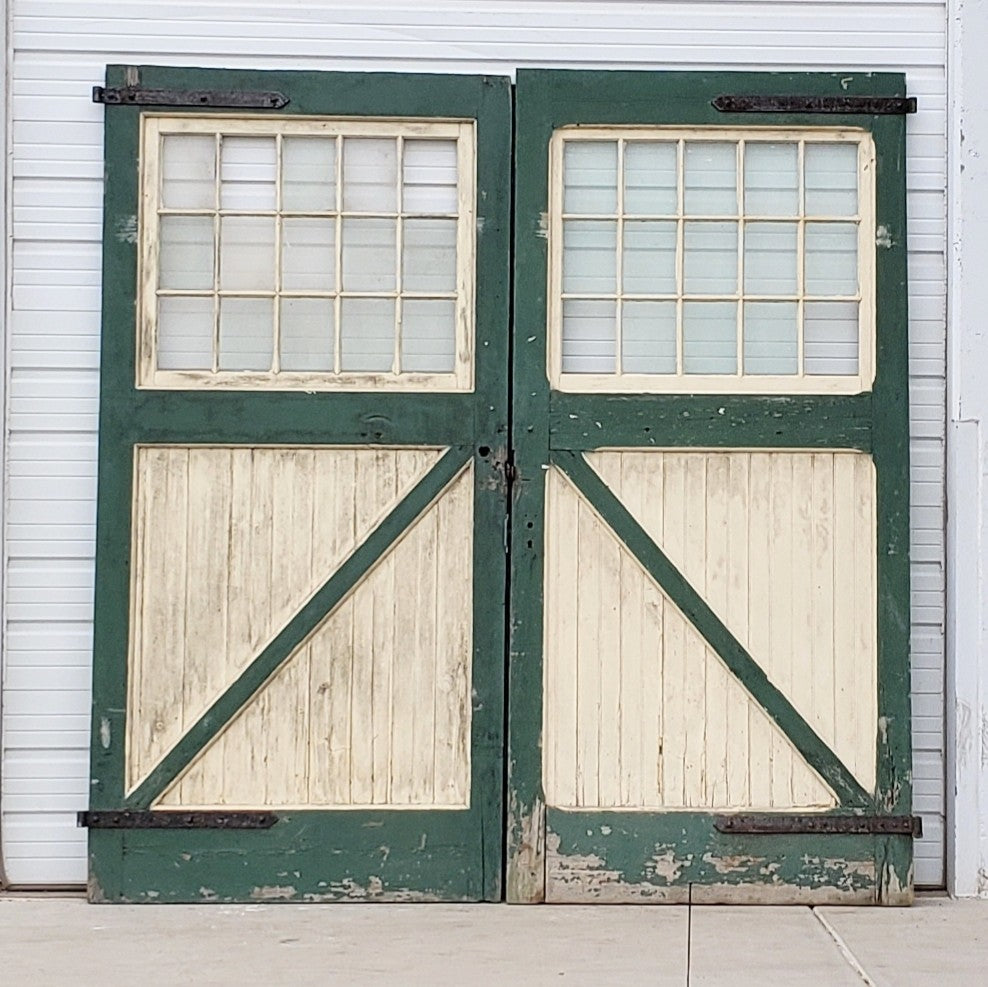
(233, 99)
(867, 105)
(150, 819)
(767, 823)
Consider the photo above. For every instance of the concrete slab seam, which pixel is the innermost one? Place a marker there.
(844, 949)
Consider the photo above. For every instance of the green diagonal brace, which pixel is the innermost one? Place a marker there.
(713, 630)
(306, 619)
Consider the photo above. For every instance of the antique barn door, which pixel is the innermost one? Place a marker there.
(299, 613)
(709, 654)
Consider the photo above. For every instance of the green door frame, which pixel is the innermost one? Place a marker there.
(430, 853)
(554, 427)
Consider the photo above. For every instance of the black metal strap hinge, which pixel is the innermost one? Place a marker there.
(770, 823)
(867, 105)
(234, 99)
(151, 819)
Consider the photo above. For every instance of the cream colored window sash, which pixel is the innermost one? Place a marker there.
(620, 381)
(155, 127)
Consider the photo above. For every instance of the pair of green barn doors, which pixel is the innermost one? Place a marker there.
(503, 489)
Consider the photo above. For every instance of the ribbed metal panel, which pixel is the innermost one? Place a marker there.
(61, 48)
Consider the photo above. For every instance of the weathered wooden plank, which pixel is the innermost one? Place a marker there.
(701, 780)
(772, 501)
(302, 623)
(801, 735)
(396, 650)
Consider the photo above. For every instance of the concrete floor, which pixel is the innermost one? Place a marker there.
(51, 941)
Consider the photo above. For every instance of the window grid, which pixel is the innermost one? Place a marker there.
(457, 132)
(800, 219)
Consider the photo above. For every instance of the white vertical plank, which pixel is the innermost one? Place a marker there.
(864, 668)
(823, 578)
(610, 661)
(674, 655)
(399, 600)
(780, 620)
(716, 708)
(454, 605)
(736, 617)
(844, 604)
(207, 554)
(695, 671)
(802, 654)
(561, 640)
(588, 669)
(759, 613)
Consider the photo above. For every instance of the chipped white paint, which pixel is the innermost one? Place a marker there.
(374, 708)
(228, 543)
(782, 545)
(639, 712)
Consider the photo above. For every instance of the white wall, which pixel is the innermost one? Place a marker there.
(61, 47)
(967, 459)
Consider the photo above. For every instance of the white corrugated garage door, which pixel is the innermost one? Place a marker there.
(60, 50)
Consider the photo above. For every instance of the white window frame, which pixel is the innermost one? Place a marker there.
(680, 382)
(155, 126)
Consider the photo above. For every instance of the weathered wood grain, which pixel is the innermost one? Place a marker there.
(682, 717)
(391, 722)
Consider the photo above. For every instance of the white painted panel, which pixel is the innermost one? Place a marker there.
(60, 50)
(639, 712)
(225, 553)
(395, 655)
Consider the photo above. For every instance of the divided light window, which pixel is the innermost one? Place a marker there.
(712, 259)
(310, 253)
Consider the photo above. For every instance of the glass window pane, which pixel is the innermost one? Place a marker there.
(831, 259)
(770, 258)
(308, 254)
(710, 180)
(369, 254)
(306, 334)
(649, 260)
(188, 171)
(370, 174)
(771, 344)
(771, 180)
(589, 336)
(428, 335)
(831, 179)
(830, 338)
(648, 337)
(308, 174)
(367, 334)
(429, 255)
(650, 181)
(429, 176)
(589, 256)
(247, 253)
(590, 176)
(247, 173)
(246, 333)
(185, 333)
(710, 258)
(710, 337)
(185, 252)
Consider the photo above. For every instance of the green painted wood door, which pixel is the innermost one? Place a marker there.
(302, 492)
(709, 593)
(305, 458)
